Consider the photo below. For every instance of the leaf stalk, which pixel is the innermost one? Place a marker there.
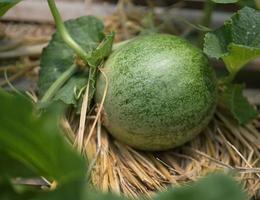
(57, 84)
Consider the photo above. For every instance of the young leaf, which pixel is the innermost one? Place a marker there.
(102, 51)
(240, 108)
(36, 141)
(225, 1)
(215, 187)
(5, 5)
(57, 56)
(237, 42)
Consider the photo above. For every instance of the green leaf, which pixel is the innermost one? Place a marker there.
(103, 50)
(215, 187)
(36, 141)
(237, 104)
(87, 31)
(239, 56)
(68, 93)
(68, 191)
(250, 3)
(225, 1)
(238, 41)
(5, 5)
(72, 190)
(28, 139)
(11, 167)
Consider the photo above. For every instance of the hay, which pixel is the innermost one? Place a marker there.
(223, 146)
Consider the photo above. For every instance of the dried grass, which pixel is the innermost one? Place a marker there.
(224, 146)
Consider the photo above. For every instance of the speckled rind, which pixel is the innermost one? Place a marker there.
(161, 92)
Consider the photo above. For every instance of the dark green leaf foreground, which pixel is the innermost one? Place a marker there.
(214, 187)
(5, 5)
(36, 141)
(57, 57)
(32, 145)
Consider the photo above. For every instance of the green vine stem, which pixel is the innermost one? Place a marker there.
(58, 83)
(64, 33)
(73, 45)
(72, 69)
(207, 11)
(206, 18)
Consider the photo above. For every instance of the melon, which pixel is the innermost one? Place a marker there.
(161, 93)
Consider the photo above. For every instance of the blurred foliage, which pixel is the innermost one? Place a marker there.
(250, 3)
(35, 140)
(5, 5)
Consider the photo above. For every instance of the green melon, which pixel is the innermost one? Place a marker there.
(161, 92)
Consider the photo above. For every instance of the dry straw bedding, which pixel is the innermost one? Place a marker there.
(222, 147)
